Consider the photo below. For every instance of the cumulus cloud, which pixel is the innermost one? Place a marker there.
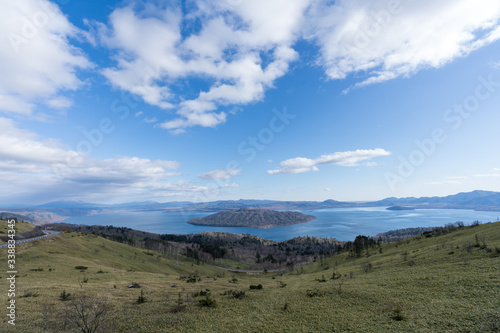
(348, 158)
(389, 39)
(45, 165)
(240, 48)
(220, 174)
(37, 59)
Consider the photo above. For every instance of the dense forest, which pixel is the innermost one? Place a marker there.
(217, 247)
(251, 251)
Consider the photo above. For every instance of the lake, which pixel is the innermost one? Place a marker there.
(341, 223)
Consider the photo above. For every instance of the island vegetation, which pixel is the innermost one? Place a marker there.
(254, 218)
(400, 208)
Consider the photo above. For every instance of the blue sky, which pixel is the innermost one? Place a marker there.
(115, 101)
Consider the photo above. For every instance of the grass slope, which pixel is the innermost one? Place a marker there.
(436, 284)
(20, 228)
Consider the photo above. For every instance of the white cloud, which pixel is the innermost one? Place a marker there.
(150, 120)
(348, 158)
(240, 49)
(388, 41)
(44, 166)
(230, 185)
(444, 182)
(37, 60)
(487, 175)
(60, 102)
(220, 174)
(327, 189)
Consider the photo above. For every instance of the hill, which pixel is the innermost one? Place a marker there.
(479, 200)
(60, 210)
(445, 280)
(254, 218)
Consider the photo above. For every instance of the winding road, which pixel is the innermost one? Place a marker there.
(48, 233)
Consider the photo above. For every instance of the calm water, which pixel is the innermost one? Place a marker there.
(340, 223)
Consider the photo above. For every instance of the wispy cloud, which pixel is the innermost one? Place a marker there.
(150, 120)
(444, 182)
(387, 40)
(230, 185)
(487, 175)
(348, 158)
(220, 174)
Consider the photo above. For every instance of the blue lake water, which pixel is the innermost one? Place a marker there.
(341, 223)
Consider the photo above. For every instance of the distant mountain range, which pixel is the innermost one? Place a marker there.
(59, 210)
(479, 200)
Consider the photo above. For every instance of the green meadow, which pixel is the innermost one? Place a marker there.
(428, 283)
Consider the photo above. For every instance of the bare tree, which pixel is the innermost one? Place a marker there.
(88, 314)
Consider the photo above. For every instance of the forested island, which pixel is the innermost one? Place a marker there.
(254, 218)
(400, 208)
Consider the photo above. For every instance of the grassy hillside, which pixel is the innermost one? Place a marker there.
(448, 283)
(20, 228)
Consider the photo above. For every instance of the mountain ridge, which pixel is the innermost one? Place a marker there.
(60, 210)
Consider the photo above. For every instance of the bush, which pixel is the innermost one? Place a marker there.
(313, 292)
(322, 279)
(259, 286)
(88, 314)
(202, 293)
(238, 294)
(64, 296)
(396, 310)
(208, 302)
(81, 267)
(367, 266)
(191, 278)
(179, 305)
(141, 299)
